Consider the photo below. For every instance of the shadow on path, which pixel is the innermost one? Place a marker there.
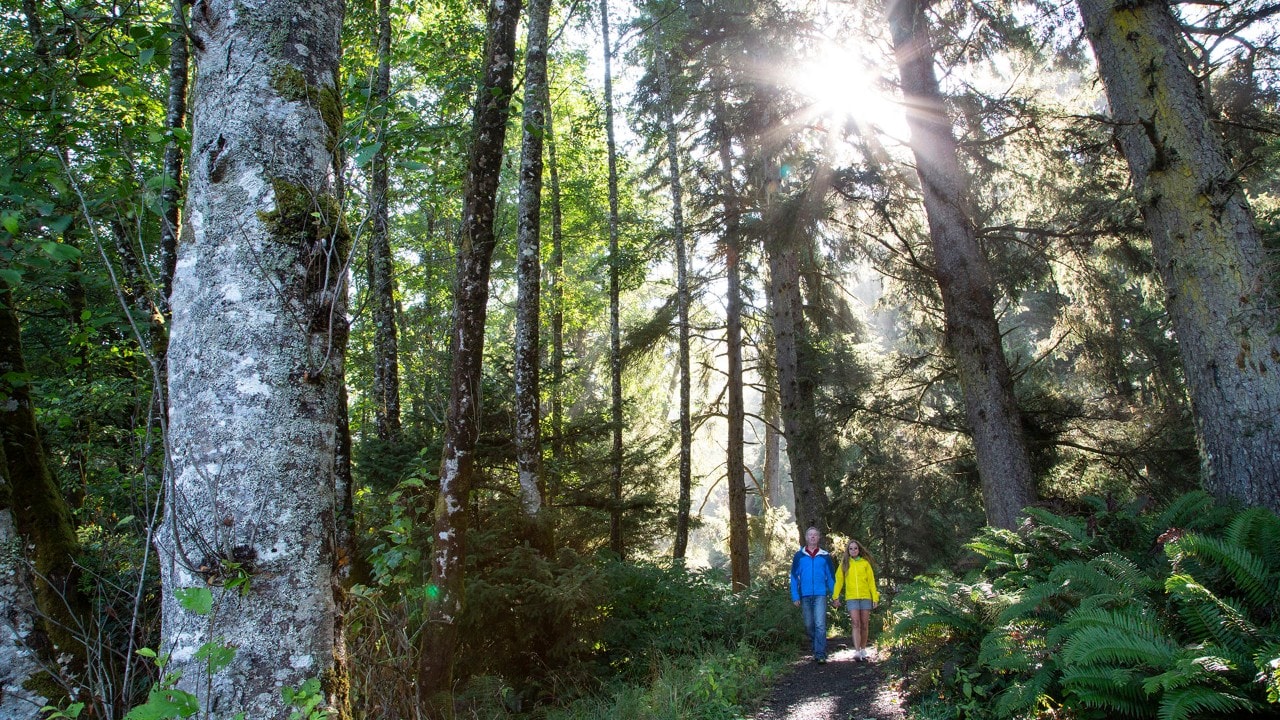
(839, 690)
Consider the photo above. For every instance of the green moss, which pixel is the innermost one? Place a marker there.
(46, 686)
(290, 84)
(336, 686)
(301, 217)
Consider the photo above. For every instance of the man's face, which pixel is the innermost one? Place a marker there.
(811, 538)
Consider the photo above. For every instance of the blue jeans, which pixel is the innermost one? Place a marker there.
(814, 609)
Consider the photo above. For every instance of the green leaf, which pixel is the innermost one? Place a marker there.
(61, 252)
(145, 652)
(196, 599)
(217, 655)
(11, 222)
(365, 154)
(11, 277)
(91, 80)
(144, 57)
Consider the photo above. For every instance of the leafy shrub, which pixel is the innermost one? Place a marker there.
(1119, 612)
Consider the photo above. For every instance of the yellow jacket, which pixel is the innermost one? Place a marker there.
(858, 582)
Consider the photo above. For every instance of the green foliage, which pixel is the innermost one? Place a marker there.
(1087, 613)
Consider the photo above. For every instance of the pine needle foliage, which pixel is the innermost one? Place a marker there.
(1168, 613)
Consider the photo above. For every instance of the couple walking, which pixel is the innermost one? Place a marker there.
(814, 582)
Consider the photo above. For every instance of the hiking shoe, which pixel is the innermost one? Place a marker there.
(822, 661)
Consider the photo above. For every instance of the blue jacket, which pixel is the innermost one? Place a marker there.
(811, 575)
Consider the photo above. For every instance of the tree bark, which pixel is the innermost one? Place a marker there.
(382, 287)
(529, 266)
(795, 386)
(963, 275)
(615, 322)
(40, 512)
(1221, 294)
(735, 461)
(557, 308)
(681, 543)
(18, 659)
(462, 427)
(256, 357)
(175, 118)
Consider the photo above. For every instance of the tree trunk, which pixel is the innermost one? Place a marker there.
(462, 426)
(40, 513)
(382, 287)
(557, 309)
(18, 659)
(615, 322)
(964, 279)
(795, 386)
(735, 461)
(1220, 285)
(529, 266)
(175, 117)
(680, 546)
(256, 357)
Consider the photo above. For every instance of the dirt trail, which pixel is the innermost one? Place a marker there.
(839, 690)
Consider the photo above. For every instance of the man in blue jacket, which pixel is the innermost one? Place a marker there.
(812, 581)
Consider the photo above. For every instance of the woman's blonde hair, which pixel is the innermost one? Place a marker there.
(862, 553)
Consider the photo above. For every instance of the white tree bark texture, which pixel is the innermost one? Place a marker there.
(1220, 285)
(18, 660)
(256, 362)
(964, 279)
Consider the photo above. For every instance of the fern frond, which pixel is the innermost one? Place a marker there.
(1115, 645)
(1191, 669)
(1125, 571)
(1037, 600)
(1013, 648)
(1258, 531)
(1210, 618)
(1021, 698)
(1196, 700)
(1000, 548)
(1245, 570)
(1066, 532)
(1267, 661)
(1185, 512)
(1109, 688)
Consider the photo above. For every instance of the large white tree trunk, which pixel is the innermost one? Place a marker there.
(256, 362)
(1220, 284)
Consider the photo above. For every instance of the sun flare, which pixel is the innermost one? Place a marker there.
(843, 85)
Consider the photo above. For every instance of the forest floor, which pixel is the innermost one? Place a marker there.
(841, 689)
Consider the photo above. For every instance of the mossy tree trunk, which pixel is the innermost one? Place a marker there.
(255, 492)
(382, 288)
(964, 278)
(1220, 284)
(556, 289)
(529, 269)
(40, 512)
(18, 659)
(439, 639)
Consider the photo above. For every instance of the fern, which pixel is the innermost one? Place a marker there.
(1188, 511)
(1116, 646)
(1258, 531)
(1267, 661)
(1059, 531)
(1245, 570)
(1114, 690)
(1196, 700)
(1020, 699)
(1210, 618)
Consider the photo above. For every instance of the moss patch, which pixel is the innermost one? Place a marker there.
(292, 85)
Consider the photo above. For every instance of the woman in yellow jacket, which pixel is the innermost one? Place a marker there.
(856, 578)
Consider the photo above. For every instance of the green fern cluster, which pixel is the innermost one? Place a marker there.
(1117, 612)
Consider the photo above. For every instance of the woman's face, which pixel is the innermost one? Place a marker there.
(854, 549)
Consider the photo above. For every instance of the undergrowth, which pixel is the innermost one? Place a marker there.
(1117, 612)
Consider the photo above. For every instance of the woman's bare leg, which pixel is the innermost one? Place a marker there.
(855, 616)
(862, 624)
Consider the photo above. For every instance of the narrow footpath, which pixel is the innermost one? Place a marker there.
(840, 689)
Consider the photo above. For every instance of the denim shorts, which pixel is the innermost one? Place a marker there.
(852, 605)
